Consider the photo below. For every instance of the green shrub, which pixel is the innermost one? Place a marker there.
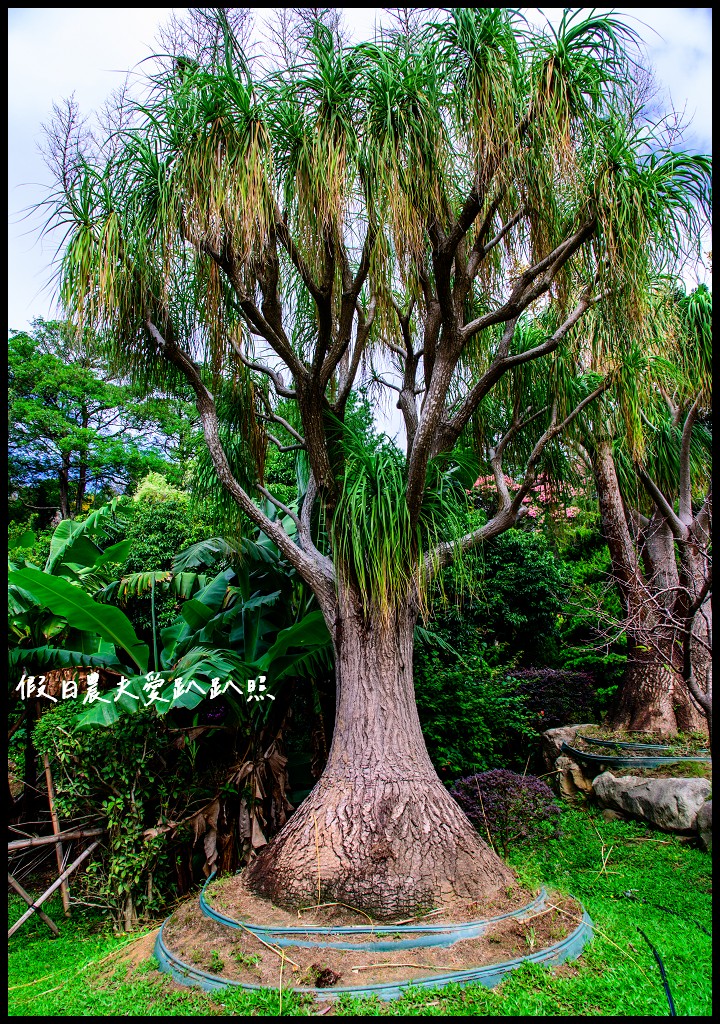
(472, 718)
(159, 527)
(131, 775)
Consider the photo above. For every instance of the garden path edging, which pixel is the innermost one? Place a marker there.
(570, 948)
(421, 935)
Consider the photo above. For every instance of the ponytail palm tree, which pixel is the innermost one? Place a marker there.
(650, 452)
(397, 205)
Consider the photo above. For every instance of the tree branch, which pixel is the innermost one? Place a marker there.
(311, 570)
(283, 233)
(685, 505)
(275, 377)
(305, 533)
(348, 306)
(665, 508)
(285, 447)
(451, 429)
(278, 504)
(507, 515)
(362, 332)
(272, 417)
(480, 251)
(532, 282)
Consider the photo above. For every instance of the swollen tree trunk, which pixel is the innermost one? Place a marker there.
(697, 638)
(379, 832)
(653, 697)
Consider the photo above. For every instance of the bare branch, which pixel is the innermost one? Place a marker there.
(552, 432)
(507, 515)
(348, 306)
(278, 504)
(479, 251)
(283, 233)
(275, 377)
(678, 528)
(533, 282)
(349, 371)
(273, 417)
(497, 454)
(385, 383)
(285, 447)
(309, 568)
(451, 429)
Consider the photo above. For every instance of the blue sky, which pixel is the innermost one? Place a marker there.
(55, 51)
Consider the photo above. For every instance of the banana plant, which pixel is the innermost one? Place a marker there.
(254, 620)
(251, 622)
(54, 622)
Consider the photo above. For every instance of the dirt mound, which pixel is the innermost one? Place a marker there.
(138, 950)
(240, 956)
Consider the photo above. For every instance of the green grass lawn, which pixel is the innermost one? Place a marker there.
(79, 973)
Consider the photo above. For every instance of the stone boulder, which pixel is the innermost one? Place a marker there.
(669, 804)
(571, 780)
(553, 739)
(703, 824)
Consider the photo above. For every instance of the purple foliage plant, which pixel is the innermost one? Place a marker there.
(508, 808)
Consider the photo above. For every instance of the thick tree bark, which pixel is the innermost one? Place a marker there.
(697, 647)
(653, 698)
(379, 832)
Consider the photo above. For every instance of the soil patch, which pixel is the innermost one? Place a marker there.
(240, 956)
(137, 951)
(231, 897)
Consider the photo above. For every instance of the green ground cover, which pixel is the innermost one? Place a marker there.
(81, 974)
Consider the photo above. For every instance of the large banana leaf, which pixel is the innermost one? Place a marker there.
(206, 554)
(57, 657)
(99, 713)
(62, 598)
(70, 545)
(231, 629)
(309, 633)
(70, 539)
(115, 553)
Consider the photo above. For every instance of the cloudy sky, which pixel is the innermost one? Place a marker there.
(54, 52)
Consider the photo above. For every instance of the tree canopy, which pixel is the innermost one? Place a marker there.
(77, 428)
(410, 200)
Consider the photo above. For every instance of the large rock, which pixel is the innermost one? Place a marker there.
(669, 804)
(703, 824)
(553, 739)
(571, 779)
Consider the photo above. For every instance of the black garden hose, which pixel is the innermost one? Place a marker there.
(663, 975)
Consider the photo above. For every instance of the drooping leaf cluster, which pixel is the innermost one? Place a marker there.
(227, 217)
